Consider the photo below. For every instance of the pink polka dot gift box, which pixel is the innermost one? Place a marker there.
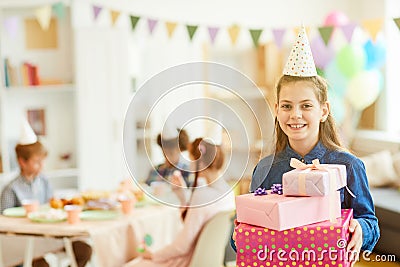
(319, 244)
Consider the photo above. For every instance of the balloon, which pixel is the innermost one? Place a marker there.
(351, 60)
(364, 89)
(336, 18)
(376, 54)
(336, 80)
(322, 54)
(338, 108)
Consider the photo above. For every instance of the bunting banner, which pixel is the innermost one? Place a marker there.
(59, 10)
(96, 11)
(11, 25)
(326, 33)
(114, 16)
(234, 33)
(397, 21)
(43, 16)
(152, 24)
(212, 32)
(134, 21)
(255, 35)
(191, 30)
(278, 35)
(373, 27)
(171, 26)
(348, 31)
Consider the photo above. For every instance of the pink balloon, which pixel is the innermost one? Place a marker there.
(336, 18)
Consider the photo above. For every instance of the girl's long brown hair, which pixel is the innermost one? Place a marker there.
(328, 133)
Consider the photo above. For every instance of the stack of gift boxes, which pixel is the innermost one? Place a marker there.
(299, 223)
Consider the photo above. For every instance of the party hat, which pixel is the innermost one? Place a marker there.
(215, 135)
(27, 136)
(300, 62)
(169, 132)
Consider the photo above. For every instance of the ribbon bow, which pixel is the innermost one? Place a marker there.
(260, 192)
(297, 164)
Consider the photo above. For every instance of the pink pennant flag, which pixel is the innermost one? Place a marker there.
(11, 25)
(348, 30)
(213, 31)
(152, 23)
(96, 11)
(278, 36)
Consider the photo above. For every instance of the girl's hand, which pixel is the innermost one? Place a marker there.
(234, 231)
(356, 240)
(177, 179)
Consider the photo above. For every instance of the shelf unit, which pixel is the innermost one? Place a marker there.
(58, 101)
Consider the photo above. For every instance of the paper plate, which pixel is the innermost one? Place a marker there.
(14, 212)
(48, 216)
(98, 215)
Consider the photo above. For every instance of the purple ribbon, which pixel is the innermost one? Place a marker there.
(276, 189)
(260, 192)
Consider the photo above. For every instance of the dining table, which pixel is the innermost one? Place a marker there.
(114, 239)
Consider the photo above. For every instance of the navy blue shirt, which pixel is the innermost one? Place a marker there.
(270, 170)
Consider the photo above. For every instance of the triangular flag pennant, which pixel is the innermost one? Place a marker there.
(348, 30)
(134, 21)
(114, 16)
(59, 10)
(278, 35)
(397, 21)
(43, 15)
(326, 33)
(170, 28)
(11, 25)
(151, 23)
(300, 62)
(234, 33)
(191, 30)
(373, 27)
(213, 31)
(96, 11)
(255, 36)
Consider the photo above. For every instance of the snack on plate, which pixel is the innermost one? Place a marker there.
(95, 195)
(102, 204)
(57, 203)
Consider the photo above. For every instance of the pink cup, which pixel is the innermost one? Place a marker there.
(73, 213)
(30, 205)
(127, 204)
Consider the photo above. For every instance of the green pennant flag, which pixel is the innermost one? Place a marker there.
(134, 21)
(326, 33)
(397, 21)
(191, 30)
(59, 10)
(255, 35)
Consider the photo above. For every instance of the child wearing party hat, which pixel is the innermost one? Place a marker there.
(31, 184)
(305, 130)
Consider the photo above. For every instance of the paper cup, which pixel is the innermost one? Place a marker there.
(73, 213)
(127, 204)
(30, 205)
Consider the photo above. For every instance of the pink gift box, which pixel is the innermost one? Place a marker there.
(279, 212)
(313, 182)
(319, 244)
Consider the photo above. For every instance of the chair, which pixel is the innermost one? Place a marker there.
(210, 247)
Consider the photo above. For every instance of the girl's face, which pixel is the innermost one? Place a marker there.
(299, 113)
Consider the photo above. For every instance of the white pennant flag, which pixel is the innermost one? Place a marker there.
(43, 16)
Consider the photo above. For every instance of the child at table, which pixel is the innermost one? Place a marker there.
(31, 184)
(205, 202)
(173, 142)
(305, 130)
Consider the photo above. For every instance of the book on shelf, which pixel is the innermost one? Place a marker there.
(10, 75)
(30, 74)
